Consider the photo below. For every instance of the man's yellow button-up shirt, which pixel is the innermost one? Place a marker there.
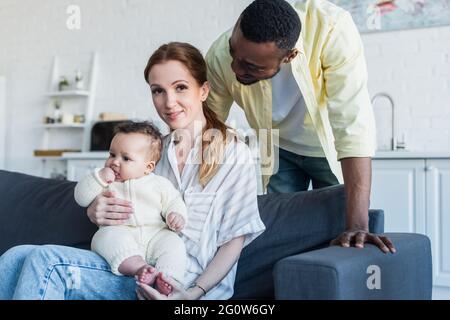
(331, 73)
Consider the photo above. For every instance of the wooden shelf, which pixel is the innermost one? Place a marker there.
(53, 154)
(50, 158)
(68, 94)
(82, 103)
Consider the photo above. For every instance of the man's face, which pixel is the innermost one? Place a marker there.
(253, 62)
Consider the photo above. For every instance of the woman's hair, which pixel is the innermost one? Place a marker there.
(145, 128)
(213, 149)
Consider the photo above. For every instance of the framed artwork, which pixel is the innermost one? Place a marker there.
(387, 15)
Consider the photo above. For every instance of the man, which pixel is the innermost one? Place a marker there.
(301, 70)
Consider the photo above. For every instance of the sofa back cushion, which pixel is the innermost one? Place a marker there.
(36, 210)
(41, 211)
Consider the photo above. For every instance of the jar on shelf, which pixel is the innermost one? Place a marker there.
(79, 82)
(57, 112)
(79, 118)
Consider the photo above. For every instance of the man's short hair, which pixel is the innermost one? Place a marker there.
(147, 128)
(271, 21)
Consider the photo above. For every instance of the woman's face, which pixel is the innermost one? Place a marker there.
(176, 95)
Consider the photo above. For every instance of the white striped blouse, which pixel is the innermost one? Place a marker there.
(225, 209)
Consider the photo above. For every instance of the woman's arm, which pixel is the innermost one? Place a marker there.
(220, 265)
(217, 269)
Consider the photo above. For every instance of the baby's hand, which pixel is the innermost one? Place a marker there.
(175, 221)
(107, 175)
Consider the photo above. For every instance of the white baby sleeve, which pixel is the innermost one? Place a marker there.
(172, 201)
(88, 188)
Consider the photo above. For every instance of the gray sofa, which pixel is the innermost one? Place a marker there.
(42, 211)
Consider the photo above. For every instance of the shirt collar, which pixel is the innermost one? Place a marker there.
(197, 139)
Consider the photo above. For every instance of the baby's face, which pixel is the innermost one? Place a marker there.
(130, 156)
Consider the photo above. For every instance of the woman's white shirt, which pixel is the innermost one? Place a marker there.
(225, 209)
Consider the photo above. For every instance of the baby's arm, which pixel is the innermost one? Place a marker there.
(173, 208)
(91, 186)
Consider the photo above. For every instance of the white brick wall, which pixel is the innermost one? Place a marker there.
(413, 66)
(123, 32)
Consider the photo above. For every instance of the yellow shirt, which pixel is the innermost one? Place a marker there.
(331, 73)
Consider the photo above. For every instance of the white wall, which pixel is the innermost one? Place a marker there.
(123, 32)
(413, 66)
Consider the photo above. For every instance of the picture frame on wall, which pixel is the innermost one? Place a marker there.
(388, 15)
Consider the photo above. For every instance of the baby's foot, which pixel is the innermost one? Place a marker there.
(146, 274)
(162, 286)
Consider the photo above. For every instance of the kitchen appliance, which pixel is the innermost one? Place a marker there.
(102, 133)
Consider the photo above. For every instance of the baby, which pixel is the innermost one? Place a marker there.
(144, 239)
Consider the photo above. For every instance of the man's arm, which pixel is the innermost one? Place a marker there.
(357, 180)
(357, 174)
(219, 98)
(351, 118)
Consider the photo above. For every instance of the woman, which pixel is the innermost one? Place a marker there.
(204, 160)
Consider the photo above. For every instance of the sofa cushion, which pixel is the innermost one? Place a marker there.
(351, 273)
(295, 222)
(41, 211)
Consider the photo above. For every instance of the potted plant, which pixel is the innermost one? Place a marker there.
(63, 84)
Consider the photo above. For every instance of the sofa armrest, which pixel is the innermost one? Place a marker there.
(376, 221)
(351, 273)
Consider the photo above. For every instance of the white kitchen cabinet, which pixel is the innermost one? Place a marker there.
(415, 195)
(398, 187)
(81, 163)
(77, 169)
(438, 218)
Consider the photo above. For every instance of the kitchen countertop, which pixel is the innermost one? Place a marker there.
(401, 154)
(93, 155)
(406, 154)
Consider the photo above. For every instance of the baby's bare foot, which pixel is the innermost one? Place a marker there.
(162, 286)
(146, 274)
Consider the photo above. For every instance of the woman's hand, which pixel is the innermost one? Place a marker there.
(106, 210)
(145, 292)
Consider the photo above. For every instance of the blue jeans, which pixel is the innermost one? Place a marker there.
(56, 272)
(296, 172)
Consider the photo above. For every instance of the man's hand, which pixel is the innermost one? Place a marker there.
(359, 237)
(357, 180)
(175, 221)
